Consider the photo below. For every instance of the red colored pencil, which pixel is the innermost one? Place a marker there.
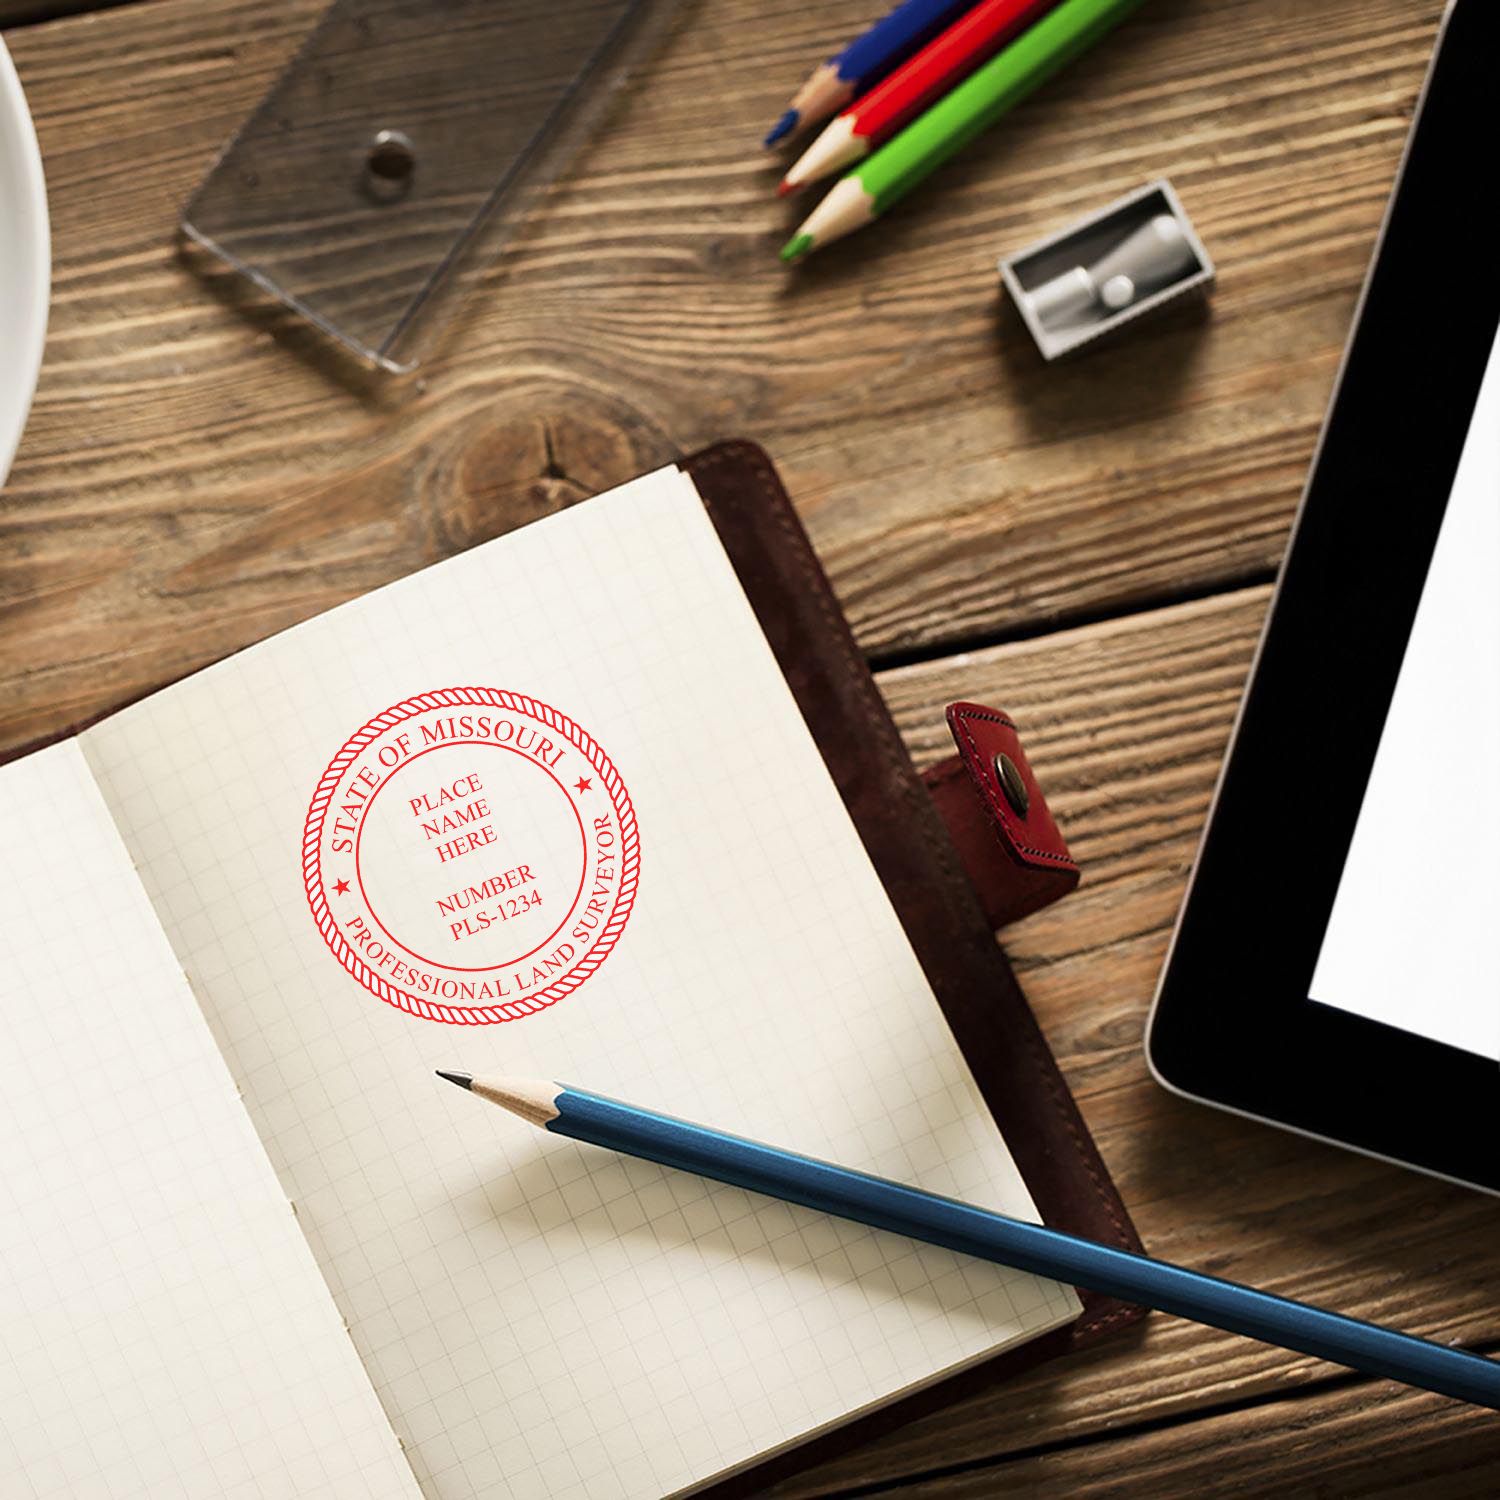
(904, 94)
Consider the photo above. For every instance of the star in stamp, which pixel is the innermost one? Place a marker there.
(471, 855)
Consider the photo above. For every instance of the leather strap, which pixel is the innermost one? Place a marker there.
(1011, 847)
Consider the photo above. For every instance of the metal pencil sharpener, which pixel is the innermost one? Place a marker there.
(1089, 280)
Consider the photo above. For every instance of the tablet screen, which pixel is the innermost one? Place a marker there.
(1412, 938)
(1336, 966)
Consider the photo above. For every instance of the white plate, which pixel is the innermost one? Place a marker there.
(25, 256)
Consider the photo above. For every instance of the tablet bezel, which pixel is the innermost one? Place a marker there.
(1232, 1024)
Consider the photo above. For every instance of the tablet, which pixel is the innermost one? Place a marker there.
(1336, 963)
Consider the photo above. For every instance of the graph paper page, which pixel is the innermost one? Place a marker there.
(164, 1332)
(561, 778)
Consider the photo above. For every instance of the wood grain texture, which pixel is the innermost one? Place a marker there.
(190, 482)
(1125, 723)
(1354, 1443)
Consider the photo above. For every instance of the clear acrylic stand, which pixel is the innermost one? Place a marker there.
(404, 139)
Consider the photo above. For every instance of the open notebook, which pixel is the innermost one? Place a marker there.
(547, 808)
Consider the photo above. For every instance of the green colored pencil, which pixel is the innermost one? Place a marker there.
(897, 167)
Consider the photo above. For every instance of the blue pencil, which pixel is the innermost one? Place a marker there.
(866, 60)
(565, 1110)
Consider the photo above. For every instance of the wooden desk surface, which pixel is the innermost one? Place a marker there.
(1089, 545)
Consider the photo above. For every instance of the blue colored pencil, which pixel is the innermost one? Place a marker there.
(866, 60)
(568, 1111)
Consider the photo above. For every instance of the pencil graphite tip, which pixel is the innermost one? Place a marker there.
(796, 247)
(781, 129)
(463, 1080)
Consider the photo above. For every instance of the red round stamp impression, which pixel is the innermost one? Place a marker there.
(471, 855)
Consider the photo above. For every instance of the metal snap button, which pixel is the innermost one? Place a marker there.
(1012, 783)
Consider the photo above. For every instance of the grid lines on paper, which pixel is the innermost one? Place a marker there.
(539, 1317)
(164, 1332)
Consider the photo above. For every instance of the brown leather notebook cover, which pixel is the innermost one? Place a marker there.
(914, 857)
(899, 820)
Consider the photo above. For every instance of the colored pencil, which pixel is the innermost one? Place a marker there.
(868, 58)
(986, 94)
(898, 99)
(970, 1230)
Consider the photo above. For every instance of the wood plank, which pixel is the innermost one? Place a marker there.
(1125, 723)
(1356, 1443)
(190, 482)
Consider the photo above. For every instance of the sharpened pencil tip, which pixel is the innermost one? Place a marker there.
(463, 1080)
(786, 187)
(796, 247)
(781, 129)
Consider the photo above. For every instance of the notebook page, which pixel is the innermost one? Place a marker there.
(540, 1318)
(164, 1331)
